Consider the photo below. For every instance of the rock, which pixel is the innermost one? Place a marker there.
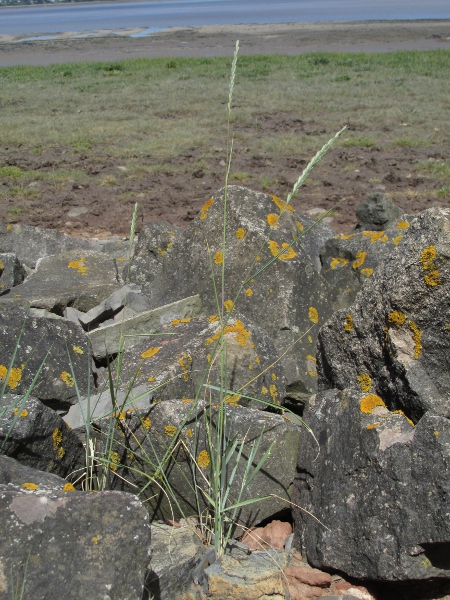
(37, 437)
(175, 553)
(143, 439)
(379, 484)
(11, 272)
(13, 473)
(49, 356)
(80, 280)
(273, 535)
(72, 545)
(128, 331)
(257, 576)
(175, 361)
(309, 576)
(288, 299)
(377, 212)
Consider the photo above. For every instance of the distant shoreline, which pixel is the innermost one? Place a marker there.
(218, 40)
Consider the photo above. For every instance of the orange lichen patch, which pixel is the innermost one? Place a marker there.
(185, 362)
(8, 227)
(274, 376)
(169, 245)
(427, 258)
(242, 335)
(77, 350)
(397, 318)
(150, 352)
(79, 265)
(114, 461)
(146, 423)
(68, 487)
(274, 393)
(203, 459)
(57, 437)
(402, 225)
(346, 236)
(365, 382)
(299, 226)
(374, 236)
(61, 452)
(95, 540)
(257, 360)
(151, 378)
(281, 205)
(272, 219)
(400, 412)
(208, 357)
(205, 208)
(360, 258)
(275, 250)
(67, 378)
(249, 292)
(185, 320)
(370, 402)
(366, 272)
(186, 400)
(258, 258)
(373, 425)
(23, 413)
(240, 233)
(384, 238)
(313, 315)
(189, 433)
(121, 259)
(229, 305)
(250, 367)
(30, 486)
(218, 258)
(232, 399)
(338, 262)
(436, 433)
(213, 318)
(311, 365)
(396, 241)
(348, 325)
(170, 430)
(417, 337)
(264, 390)
(432, 278)
(14, 377)
(161, 251)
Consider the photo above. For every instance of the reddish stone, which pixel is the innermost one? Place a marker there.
(309, 576)
(301, 591)
(272, 535)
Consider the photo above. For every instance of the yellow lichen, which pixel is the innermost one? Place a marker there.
(366, 272)
(150, 352)
(232, 399)
(169, 245)
(370, 402)
(281, 205)
(240, 233)
(205, 208)
(203, 459)
(272, 219)
(373, 425)
(170, 430)
(213, 318)
(264, 390)
(218, 258)
(417, 337)
(68, 487)
(228, 304)
(57, 437)
(432, 278)
(146, 422)
(402, 225)
(249, 292)
(185, 320)
(348, 325)
(175, 322)
(94, 540)
(385, 238)
(397, 318)
(346, 236)
(400, 412)
(79, 265)
(257, 360)
(396, 241)
(242, 336)
(151, 378)
(299, 226)
(274, 393)
(311, 363)
(360, 258)
(338, 262)
(67, 378)
(258, 258)
(189, 432)
(77, 350)
(186, 400)
(310, 340)
(313, 315)
(61, 452)
(23, 413)
(114, 461)
(185, 362)
(436, 433)
(30, 486)
(14, 377)
(275, 250)
(161, 251)
(274, 376)
(373, 235)
(365, 382)
(427, 258)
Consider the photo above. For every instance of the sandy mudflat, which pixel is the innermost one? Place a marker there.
(289, 38)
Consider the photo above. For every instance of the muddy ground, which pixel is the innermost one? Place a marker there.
(346, 176)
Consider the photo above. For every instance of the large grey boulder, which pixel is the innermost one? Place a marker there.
(15, 474)
(146, 443)
(73, 278)
(72, 545)
(379, 483)
(61, 348)
(11, 271)
(288, 299)
(37, 437)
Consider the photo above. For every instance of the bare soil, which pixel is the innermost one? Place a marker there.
(346, 176)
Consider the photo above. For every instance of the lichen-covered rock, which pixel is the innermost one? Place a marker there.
(11, 272)
(394, 340)
(288, 299)
(145, 440)
(72, 545)
(14, 474)
(184, 355)
(61, 348)
(81, 279)
(37, 437)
